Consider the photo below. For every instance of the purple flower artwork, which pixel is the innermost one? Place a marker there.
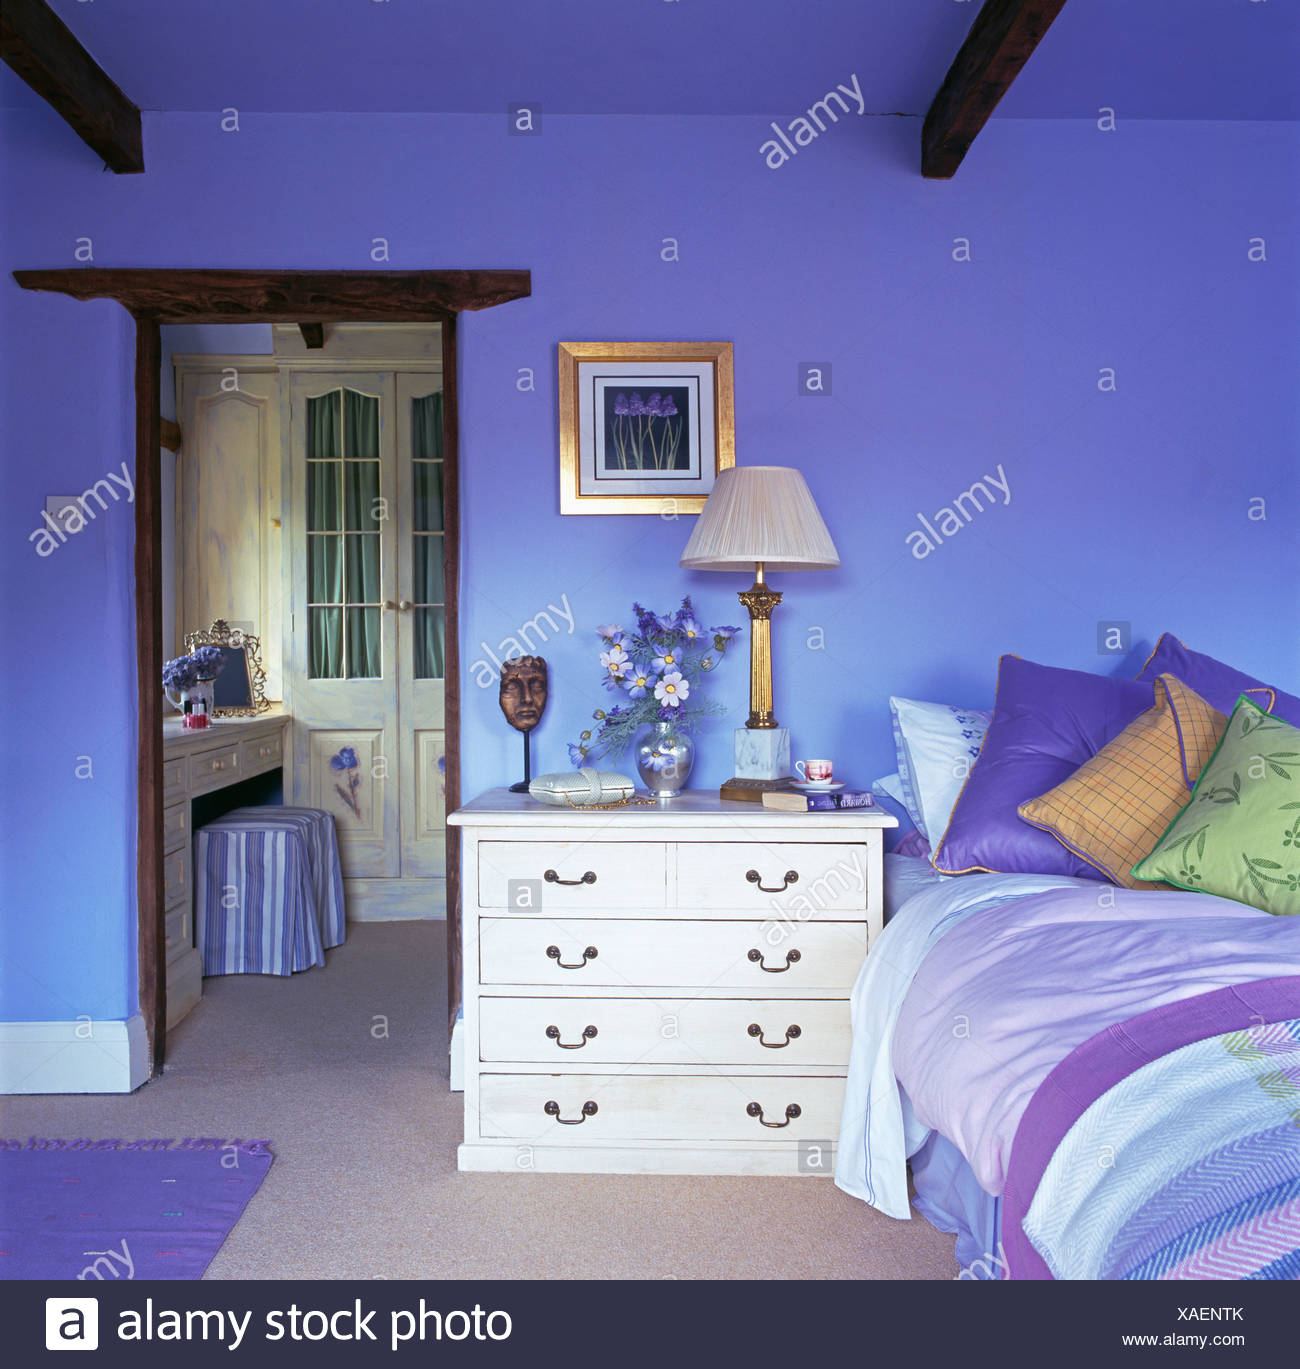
(644, 428)
(345, 762)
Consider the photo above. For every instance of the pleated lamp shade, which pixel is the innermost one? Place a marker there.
(760, 513)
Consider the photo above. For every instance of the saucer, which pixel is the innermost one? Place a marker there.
(818, 786)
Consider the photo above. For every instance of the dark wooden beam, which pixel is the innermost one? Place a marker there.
(168, 296)
(149, 882)
(1000, 42)
(41, 48)
(170, 435)
(313, 335)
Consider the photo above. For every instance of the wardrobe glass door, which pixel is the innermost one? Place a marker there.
(344, 636)
(421, 626)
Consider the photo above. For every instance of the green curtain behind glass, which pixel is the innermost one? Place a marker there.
(429, 623)
(324, 554)
(343, 493)
(362, 549)
(426, 446)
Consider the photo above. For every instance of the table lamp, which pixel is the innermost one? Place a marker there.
(760, 518)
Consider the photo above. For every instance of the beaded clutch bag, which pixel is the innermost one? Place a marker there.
(583, 788)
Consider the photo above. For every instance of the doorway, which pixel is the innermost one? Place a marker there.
(158, 296)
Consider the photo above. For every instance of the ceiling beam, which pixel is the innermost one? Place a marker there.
(41, 48)
(1000, 42)
(181, 296)
(313, 335)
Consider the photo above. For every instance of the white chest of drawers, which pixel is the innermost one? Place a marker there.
(661, 989)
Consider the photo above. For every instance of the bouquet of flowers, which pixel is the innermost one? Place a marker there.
(209, 662)
(657, 672)
(180, 674)
(203, 663)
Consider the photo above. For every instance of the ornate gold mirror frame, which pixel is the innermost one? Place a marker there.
(232, 639)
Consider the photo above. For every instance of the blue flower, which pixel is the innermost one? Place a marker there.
(209, 661)
(620, 405)
(577, 754)
(345, 760)
(672, 689)
(637, 681)
(179, 673)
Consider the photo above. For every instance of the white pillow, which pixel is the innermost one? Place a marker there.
(937, 744)
(891, 786)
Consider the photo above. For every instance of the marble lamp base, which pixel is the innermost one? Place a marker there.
(762, 763)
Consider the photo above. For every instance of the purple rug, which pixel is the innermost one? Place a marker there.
(122, 1209)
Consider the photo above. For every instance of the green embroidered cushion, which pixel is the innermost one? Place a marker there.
(1239, 834)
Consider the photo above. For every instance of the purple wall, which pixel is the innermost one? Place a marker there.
(1089, 250)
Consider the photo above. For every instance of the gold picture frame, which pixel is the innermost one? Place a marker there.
(239, 647)
(613, 461)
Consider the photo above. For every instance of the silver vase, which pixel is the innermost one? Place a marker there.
(664, 757)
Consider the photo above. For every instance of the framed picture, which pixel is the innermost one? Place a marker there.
(645, 427)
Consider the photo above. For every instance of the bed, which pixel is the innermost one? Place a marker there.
(1088, 1080)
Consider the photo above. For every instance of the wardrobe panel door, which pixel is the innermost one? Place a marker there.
(228, 484)
(422, 593)
(343, 536)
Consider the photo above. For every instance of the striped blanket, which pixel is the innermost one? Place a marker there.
(1187, 1167)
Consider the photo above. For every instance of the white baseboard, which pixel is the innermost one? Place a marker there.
(395, 900)
(85, 1056)
(458, 1056)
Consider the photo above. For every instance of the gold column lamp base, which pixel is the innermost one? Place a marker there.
(760, 599)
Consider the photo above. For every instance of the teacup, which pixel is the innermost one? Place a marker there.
(815, 771)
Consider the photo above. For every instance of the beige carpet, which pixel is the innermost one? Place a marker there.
(345, 1070)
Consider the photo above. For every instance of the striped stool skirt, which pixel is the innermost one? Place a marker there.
(268, 891)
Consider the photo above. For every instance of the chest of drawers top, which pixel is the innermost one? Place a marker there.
(693, 815)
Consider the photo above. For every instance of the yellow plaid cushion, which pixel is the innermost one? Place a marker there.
(1117, 806)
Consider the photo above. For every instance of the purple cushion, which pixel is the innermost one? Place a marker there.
(1046, 723)
(1218, 684)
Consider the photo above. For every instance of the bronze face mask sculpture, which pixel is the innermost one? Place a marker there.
(523, 691)
(523, 701)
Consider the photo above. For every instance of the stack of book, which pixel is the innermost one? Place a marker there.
(810, 801)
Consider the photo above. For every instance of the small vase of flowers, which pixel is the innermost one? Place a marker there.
(658, 672)
(188, 682)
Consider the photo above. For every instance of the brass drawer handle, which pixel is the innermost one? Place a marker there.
(791, 877)
(791, 1112)
(588, 1033)
(589, 954)
(589, 1109)
(791, 958)
(792, 1033)
(552, 878)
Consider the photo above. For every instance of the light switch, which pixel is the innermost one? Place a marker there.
(61, 508)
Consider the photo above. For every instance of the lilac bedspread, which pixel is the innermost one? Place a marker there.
(1224, 1211)
(1006, 995)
